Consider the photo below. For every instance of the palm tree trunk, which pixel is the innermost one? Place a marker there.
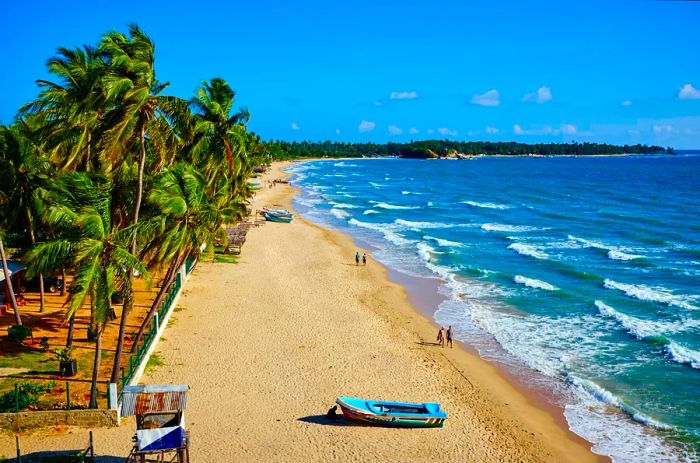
(87, 155)
(71, 327)
(96, 368)
(30, 225)
(167, 281)
(63, 277)
(128, 295)
(139, 190)
(8, 283)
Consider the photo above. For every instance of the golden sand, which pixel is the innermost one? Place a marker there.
(267, 344)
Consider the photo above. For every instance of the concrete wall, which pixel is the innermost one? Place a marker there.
(37, 419)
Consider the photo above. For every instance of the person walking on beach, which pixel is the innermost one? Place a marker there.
(441, 337)
(449, 336)
(357, 258)
(364, 258)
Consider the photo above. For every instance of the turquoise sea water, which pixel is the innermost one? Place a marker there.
(582, 275)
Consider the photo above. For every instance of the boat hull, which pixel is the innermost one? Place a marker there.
(366, 415)
(276, 218)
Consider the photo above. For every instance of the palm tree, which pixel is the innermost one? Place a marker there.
(100, 255)
(28, 174)
(67, 112)
(189, 215)
(8, 282)
(217, 128)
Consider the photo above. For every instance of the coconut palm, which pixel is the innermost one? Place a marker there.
(27, 174)
(99, 254)
(217, 128)
(188, 215)
(67, 112)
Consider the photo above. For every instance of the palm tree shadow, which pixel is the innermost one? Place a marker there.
(428, 343)
(325, 421)
(58, 456)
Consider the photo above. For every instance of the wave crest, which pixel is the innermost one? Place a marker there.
(532, 283)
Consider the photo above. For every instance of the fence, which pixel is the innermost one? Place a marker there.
(140, 355)
(31, 393)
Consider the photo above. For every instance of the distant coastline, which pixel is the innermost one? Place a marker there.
(446, 149)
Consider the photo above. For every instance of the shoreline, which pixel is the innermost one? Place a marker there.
(268, 343)
(425, 304)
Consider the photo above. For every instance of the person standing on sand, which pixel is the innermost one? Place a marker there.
(441, 337)
(449, 336)
(357, 258)
(364, 258)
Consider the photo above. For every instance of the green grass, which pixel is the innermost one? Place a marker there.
(178, 309)
(225, 258)
(154, 361)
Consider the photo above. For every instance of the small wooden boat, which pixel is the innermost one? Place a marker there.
(277, 212)
(401, 414)
(278, 218)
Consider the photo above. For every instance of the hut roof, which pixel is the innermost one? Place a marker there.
(153, 398)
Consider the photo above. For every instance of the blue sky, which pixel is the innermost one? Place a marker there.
(623, 71)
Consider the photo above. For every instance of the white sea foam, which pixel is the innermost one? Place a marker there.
(406, 192)
(683, 354)
(487, 205)
(443, 242)
(645, 328)
(601, 394)
(371, 211)
(653, 294)
(614, 252)
(339, 213)
(423, 225)
(393, 206)
(376, 185)
(343, 205)
(528, 250)
(532, 283)
(507, 228)
(383, 228)
(619, 255)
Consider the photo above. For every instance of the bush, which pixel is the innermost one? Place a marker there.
(64, 355)
(18, 333)
(44, 344)
(28, 394)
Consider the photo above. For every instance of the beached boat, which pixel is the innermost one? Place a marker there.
(403, 414)
(278, 212)
(278, 218)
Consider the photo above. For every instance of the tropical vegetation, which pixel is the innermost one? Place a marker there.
(108, 178)
(446, 148)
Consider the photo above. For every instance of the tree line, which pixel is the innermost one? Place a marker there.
(107, 178)
(443, 148)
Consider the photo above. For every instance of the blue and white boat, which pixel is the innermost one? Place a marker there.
(400, 414)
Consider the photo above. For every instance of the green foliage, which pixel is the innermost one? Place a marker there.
(44, 344)
(18, 333)
(281, 150)
(64, 354)
(27, 395)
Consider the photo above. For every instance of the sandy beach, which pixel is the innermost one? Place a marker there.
(267, 344)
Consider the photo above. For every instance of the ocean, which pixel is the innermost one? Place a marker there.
(579, 275)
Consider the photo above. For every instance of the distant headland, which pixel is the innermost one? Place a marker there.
(436, 149)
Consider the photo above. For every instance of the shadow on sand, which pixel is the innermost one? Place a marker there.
(324, 420)
(65, 456)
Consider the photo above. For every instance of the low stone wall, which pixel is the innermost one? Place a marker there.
(38, 419)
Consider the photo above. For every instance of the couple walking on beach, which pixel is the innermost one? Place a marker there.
(445, 337)
(357, 258)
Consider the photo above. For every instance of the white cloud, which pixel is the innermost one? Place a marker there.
(492, 130)
(337, 131)
(518, 130)
(568, 129)
(366, 126)
(447, 132)
(430, 131)
(295, 126)
(413, 130)
(626, 103)
(403, 95)
(377, 103)
(688, 92)
(395, 130)
(634, 132)
(490, 98)
(542, 95)
(662, 128)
